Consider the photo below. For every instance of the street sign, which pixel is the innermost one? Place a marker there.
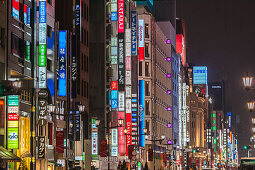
(43, 102)
(42, 94)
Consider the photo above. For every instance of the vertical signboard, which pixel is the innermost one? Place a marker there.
(41, 147)
(59, 141)
(13, 122)
(133, 33)
(129, 129)
(42, 44)
(94, 139)
(141, 113)
(121, 62)
(121, 144)
(114, 138)
(229, 120)
(121, 101)
(121, 20)
(114, 15)
(15, 9)
(62, 63)
(77, 127)
(141, 39)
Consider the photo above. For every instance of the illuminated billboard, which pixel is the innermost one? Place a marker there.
(15, 9)
(199, 75)
(121, 16)
(133, 33)
(121, 144)
(62, 63)
(141, 39)
(141, 113)
(13, 138)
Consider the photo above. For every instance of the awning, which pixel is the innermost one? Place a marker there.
(6, 155)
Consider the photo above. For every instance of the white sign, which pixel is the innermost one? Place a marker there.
(128, 35)
(42, 77)
(141, 33)
(128, 91)
(128, 78)
(121, 98)
(94, 143)
(114, 137)
(128, 106)
(114, 151)
(128, 49)
(42, 33)
(13, 109)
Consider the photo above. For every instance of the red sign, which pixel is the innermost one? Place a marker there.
(15, 4)
(121, 115)
(103, 148)
(121, 16)
(60, 141)
(179, 43)
(129, 129)
(13, 116)
(114, 85)
(141, 39)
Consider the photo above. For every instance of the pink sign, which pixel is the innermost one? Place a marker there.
(121, 115)
(128, 63)
(121, 16)
(129, 129)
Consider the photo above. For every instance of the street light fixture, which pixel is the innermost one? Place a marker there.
(120, 121)
(247, 82)
(51, 108)
(251, 105)
(81, 108)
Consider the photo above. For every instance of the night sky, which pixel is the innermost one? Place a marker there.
(220, 35)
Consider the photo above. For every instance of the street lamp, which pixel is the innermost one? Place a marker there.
(251, 105)
(247, 82)
(81, 108)
(120, 121)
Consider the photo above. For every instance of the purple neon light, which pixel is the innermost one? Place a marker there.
(169, 142)
(168, 75)
(168, 91)
(168, 41)
(169, 108)
(169, 125)
(168, 59)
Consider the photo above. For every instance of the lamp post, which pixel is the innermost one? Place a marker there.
(247, 82)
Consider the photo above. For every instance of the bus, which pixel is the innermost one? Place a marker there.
(247, 163)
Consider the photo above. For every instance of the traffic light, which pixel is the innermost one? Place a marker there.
(245, 147)
(194, 151)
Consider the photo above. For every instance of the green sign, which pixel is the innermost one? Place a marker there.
(28, 52)
(13, 138)
(114, 60)
(42, 55)
(13, 100)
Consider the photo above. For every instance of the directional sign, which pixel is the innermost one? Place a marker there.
(43, 102)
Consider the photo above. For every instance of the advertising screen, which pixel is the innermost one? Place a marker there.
(141, 113)
(62, 63)
(199, 75)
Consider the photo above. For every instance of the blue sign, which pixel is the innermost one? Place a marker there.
(199, 75)
(229, 120)
(141, 113)
(114, 104)
(133, 33)
(28, 16)
(114, 16)
(62, 63)
(114, 94)
(42, 11)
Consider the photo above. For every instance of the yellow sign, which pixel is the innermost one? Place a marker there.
(13, 123)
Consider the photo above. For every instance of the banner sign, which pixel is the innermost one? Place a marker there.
(133, 33)
(141, 113)
(77, 127)
(141, 39)
(62, 63)
(42, 44)
(59, 141)
(121, 144)
(94, 138)
(41, 147)
(121, 62)
(121, 20)
(129, 129)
